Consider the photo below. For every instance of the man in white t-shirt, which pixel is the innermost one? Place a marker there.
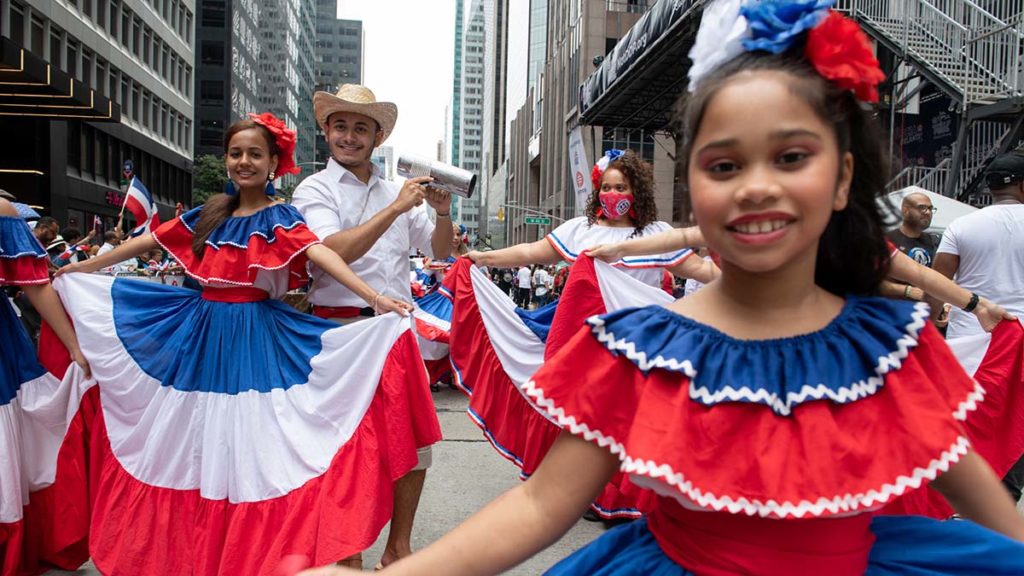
(373, 224)
(984, 251)
(524, 281)
(541, 286)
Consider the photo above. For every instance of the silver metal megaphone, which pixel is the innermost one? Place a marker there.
(453, 179)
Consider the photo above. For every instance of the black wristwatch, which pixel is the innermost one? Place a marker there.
(972, 304)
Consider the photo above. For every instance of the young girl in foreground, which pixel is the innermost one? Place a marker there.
(776, 408)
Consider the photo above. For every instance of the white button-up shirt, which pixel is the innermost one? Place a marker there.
(333, 200)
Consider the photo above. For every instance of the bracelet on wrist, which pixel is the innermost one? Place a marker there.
(972, 304)
(906, 292)
(376, 300)
(448, 215)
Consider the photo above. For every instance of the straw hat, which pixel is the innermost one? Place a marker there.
(358, 99)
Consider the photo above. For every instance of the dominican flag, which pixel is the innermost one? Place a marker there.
(71, 251)
(996, 426)
(140, 203)
(496, 348)
(201, 465)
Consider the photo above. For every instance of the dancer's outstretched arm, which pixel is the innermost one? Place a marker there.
(539, 252)
(907, 270)
(667, 241)
(520, 522)
(698, 268)
(127, 250)
(45, 300)
(329, 261)
(974, 491)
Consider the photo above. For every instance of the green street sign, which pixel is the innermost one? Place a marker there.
(538, 220)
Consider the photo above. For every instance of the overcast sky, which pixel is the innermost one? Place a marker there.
(408, 53)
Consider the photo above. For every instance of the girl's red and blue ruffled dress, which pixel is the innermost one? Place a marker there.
(772, 457)
(23, 261)
(238, 430)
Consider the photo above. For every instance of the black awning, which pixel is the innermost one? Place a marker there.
(32, 87)
(640, 80)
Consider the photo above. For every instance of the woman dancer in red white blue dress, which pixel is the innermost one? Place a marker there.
(778, 407)
(23, 263)
(240, 430)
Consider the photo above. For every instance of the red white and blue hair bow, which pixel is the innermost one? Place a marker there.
(836, 46)
(602, 164)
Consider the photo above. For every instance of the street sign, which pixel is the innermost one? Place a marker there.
(538, 220)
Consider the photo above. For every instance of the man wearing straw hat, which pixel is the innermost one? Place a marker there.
(372, 224)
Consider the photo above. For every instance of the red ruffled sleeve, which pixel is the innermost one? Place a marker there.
(23, 261)
(272, 239)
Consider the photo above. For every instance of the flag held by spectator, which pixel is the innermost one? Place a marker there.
(140, 203)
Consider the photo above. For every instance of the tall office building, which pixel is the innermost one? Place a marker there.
(579, 33)
(384, 158)
(471, 110)
(492, 177)
(287, 37)
(538, 41)
(229, 81)
(89, 85)
(457, 86)
(339, 58)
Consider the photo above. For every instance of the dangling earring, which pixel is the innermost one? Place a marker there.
(270, 190)
(229, 188)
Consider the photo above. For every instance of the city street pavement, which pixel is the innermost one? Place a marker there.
(467, 473)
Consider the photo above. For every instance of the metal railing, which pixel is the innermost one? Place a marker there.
(630, 6)
(975, 52)
(931, 178)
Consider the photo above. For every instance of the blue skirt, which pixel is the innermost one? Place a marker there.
(18, 362)
(904, 545)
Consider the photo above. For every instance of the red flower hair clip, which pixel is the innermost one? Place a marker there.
(284, 137)
(840, 51)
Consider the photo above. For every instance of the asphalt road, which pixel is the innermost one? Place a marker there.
(466, 474)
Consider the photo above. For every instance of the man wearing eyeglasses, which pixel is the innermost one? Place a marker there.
(910, 237)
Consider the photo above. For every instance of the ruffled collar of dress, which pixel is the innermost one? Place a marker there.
(237, 230)
(843, 362)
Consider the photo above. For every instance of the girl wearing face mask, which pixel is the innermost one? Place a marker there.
(621, 207)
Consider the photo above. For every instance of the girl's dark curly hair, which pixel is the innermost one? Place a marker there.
(641, 179)
(852, 254)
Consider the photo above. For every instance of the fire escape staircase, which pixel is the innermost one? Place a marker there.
(973, 51)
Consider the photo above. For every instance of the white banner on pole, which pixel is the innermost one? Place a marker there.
(580, 167)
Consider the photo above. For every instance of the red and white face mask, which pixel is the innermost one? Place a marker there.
(615, 205)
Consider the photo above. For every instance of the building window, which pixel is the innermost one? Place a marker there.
(101, 13)
(126, 28)
(71, 63)
(135, 103)
(640, 141)
(100, 82)
(212, 53)
(147, 40)
(36, 33)
(114, 18)
(17, 24)
(213, 14)
(137, 37)
(211, 90)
